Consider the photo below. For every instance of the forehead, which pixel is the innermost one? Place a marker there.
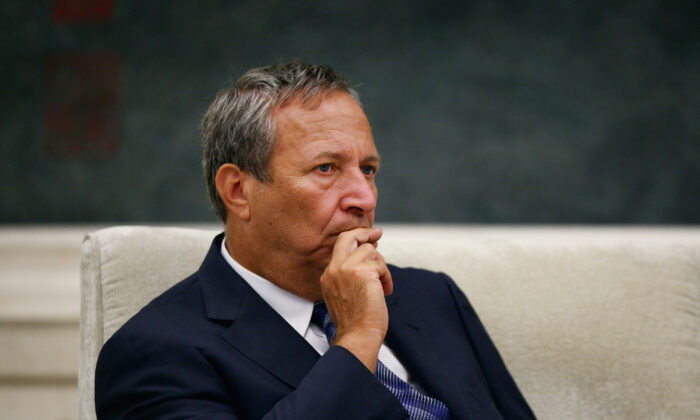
(337, 121)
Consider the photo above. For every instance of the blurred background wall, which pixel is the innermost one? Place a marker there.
(484, 112)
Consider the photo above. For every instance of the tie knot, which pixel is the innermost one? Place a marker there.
(321, 318)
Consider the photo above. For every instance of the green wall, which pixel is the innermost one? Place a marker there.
(484, 112)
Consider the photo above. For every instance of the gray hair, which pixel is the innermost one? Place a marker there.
(239, 128)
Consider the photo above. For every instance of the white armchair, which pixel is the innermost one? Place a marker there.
(592, 323)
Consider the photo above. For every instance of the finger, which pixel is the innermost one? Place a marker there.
(374, 262)
(375, 234)
(376, 269)
(384, 275)
(348, 241)
(365, 252)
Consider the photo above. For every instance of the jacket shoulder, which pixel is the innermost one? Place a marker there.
(418, 277)
(174, 312)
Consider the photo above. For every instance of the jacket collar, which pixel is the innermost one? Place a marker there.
(256, 329)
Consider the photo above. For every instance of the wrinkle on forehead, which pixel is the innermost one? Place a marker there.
(298, 124)
(317, 123)
(339, 150)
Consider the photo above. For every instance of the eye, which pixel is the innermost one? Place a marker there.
(368, 170)
(324, 168)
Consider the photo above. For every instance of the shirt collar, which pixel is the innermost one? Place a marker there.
(294, 309)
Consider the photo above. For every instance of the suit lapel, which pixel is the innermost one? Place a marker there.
(412, 337)
(257, 330)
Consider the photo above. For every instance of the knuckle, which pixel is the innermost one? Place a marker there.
(330, 274)
(345, 269)
(353, 271)
(367, 247)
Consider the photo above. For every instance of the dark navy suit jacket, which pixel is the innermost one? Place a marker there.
(210, 347)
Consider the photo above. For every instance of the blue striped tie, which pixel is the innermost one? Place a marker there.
(418, 405)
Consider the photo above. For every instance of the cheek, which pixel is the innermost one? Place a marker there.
(269, 209)
(312, 201)
(319, 210)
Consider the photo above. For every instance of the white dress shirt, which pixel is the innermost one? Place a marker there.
(297, 312)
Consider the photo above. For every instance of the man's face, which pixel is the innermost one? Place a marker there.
(322, 168)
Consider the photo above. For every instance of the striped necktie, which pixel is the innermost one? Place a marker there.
(418, 405)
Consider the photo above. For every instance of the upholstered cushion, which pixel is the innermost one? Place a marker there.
(592, 323)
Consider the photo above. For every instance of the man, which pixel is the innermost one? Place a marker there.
(290, 164)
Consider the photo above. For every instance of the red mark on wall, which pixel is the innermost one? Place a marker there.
(81, 113)
(71, 11)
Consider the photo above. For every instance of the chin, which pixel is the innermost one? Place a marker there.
(322, 258)
(326, 259)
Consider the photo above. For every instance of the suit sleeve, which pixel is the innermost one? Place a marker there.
(152, 376)
(339, 386)
(140, 376)
(505, 393)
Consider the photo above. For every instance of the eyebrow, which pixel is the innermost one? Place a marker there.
(373, 159)
(338, 156)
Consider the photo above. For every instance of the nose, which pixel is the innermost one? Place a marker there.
(360, 194)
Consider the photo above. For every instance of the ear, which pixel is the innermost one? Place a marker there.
(231, 182)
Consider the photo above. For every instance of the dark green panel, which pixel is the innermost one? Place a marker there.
(484, 112)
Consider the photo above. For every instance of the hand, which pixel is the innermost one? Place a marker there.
(354, 285)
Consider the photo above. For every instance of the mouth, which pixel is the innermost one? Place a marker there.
(337, 232)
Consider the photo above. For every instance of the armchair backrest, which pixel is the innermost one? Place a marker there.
(592, 323)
